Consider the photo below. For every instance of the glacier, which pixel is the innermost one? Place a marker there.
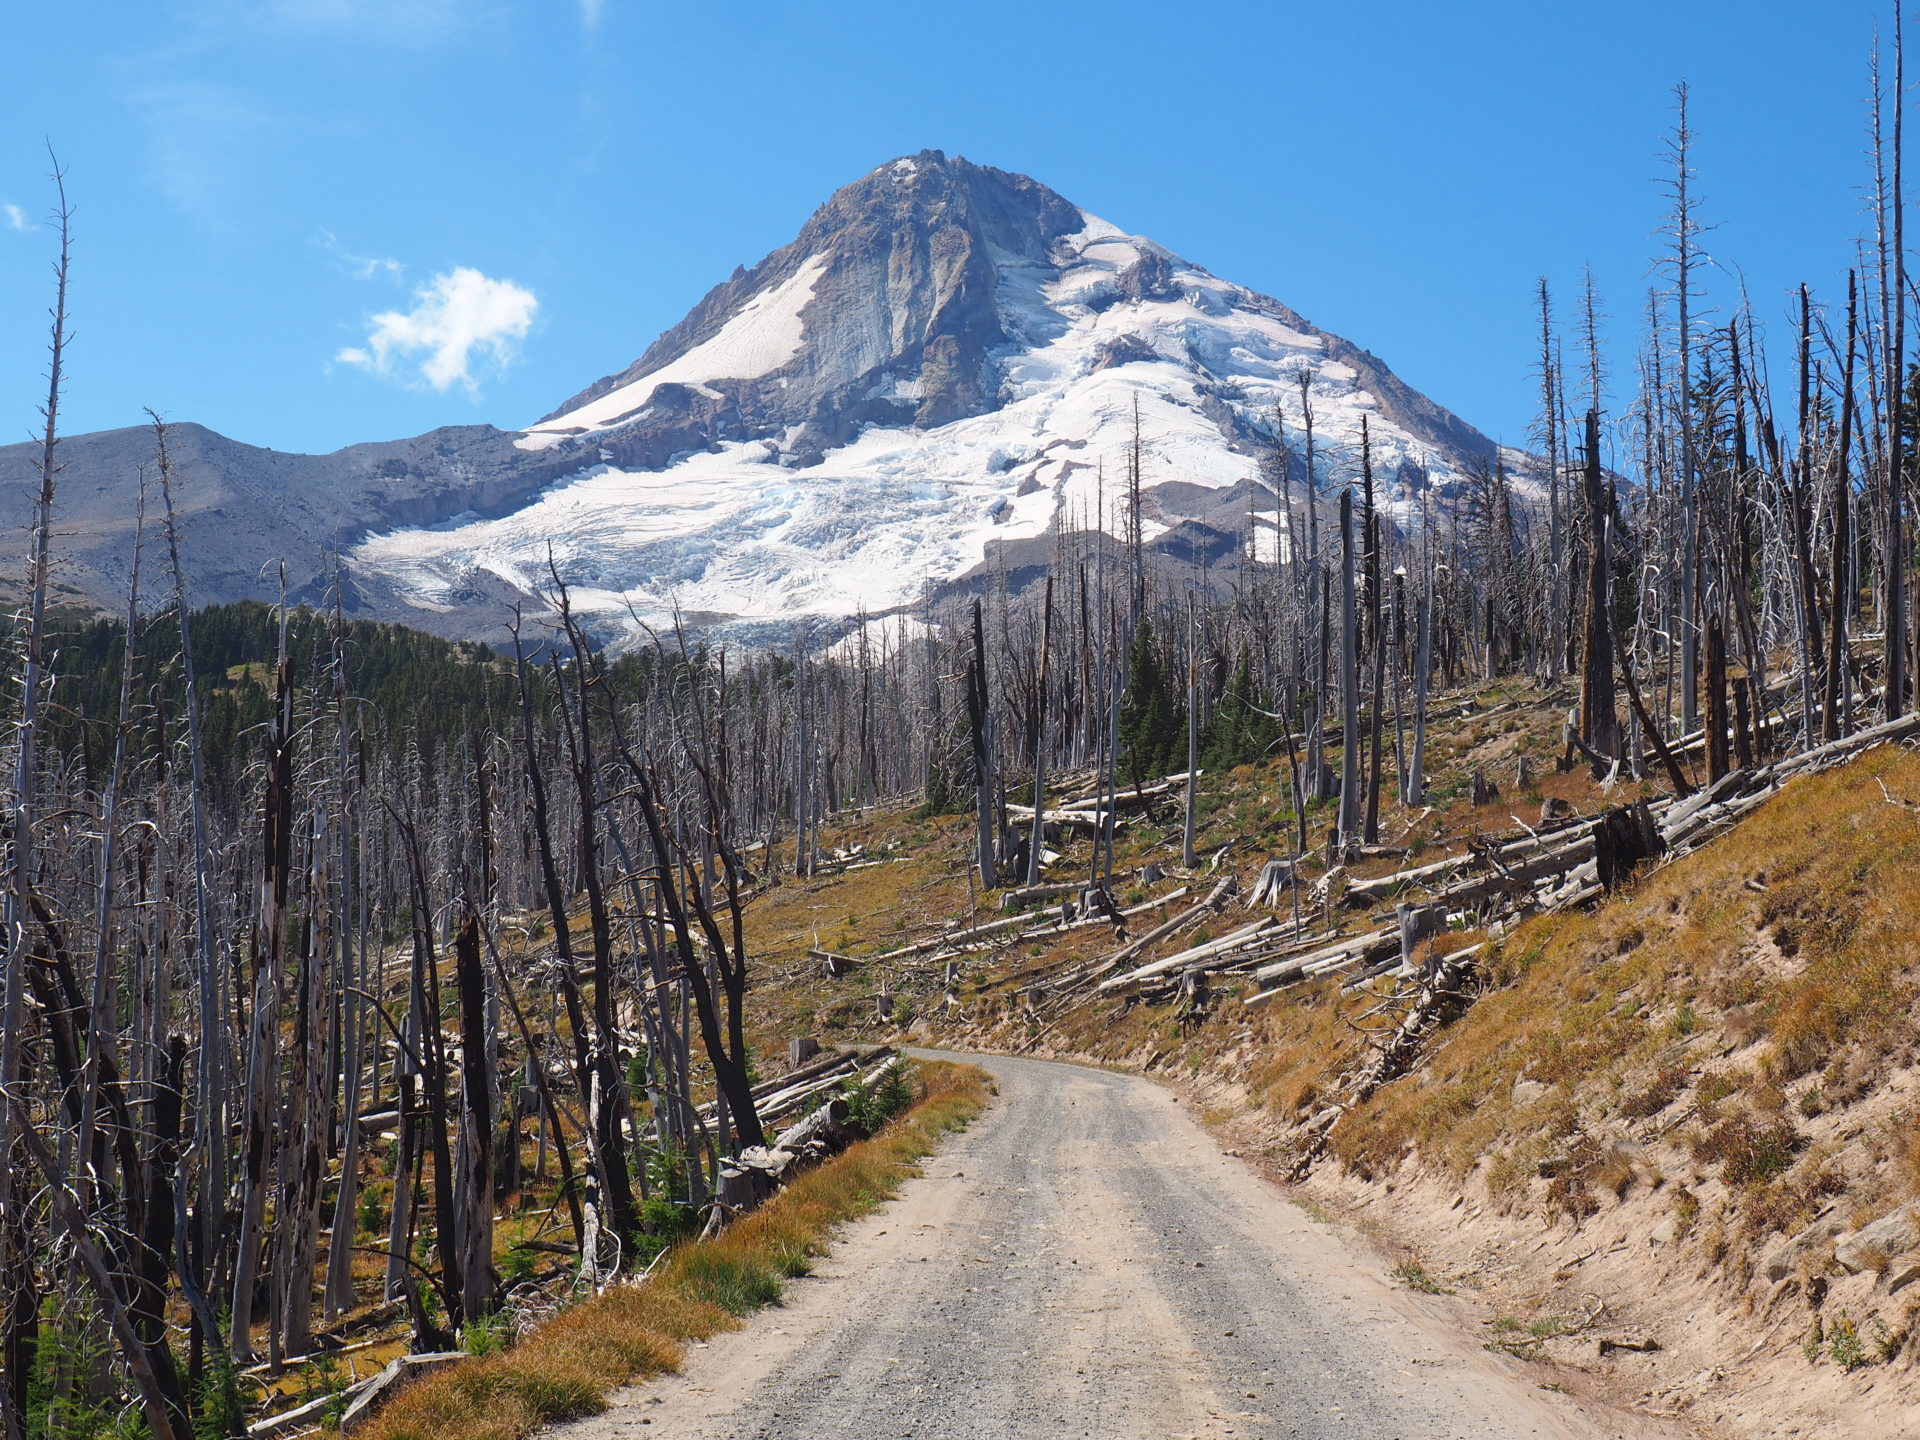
(1097, 330)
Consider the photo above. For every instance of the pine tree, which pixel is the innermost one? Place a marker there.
(1152, 721)
(1237, 733)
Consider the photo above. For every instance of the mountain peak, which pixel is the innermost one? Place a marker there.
(895, 272)
(937, 378)
(939, 373)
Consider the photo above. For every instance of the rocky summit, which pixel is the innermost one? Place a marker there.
(947, 368)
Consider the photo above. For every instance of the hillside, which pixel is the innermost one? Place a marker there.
(1681, 1119)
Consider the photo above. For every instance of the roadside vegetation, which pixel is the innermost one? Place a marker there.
(567, 1366)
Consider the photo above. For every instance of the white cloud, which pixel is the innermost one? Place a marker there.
(16, 217)
(461, 316)
(361, 267)
(590, 14)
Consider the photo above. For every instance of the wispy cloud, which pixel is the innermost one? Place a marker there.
(201, 139)
(361, 267)
(385, 19)
(16, 217)
(590, 12)
(461, 318)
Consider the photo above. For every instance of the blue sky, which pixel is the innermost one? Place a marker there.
(530, 190)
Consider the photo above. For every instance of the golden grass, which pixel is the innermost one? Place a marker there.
(566, 1368)
(1797, 930)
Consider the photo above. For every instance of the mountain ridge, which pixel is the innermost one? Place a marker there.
(938, 373)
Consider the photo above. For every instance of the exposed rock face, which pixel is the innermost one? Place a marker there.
(1879, 1243)
(906, 288)
(943, 370)
(1809, 1247)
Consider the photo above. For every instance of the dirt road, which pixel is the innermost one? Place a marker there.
(1085, 1261)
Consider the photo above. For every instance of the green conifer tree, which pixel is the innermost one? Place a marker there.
(1152, 720)
(1237, 733)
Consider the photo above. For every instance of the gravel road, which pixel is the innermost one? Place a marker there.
(1086, 1261)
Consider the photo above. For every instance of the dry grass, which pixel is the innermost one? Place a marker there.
(1795, 934)
(567, 1367)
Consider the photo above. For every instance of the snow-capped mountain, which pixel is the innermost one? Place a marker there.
(947, 357)
(937, 376)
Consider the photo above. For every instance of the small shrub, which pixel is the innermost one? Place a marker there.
(1660, 1092)
(1568, 1195)
(1844, 1346)
(1714, 1088)
(218, 1410)
(368, 1212)
(668, 1220)
(1686, 1210)
(1815, 1345)
(1886, 1341)
(487, 1334)
(1410, 1274)
(1747, 1153)
(872, 1105)
(324, 1375)
(519, 1265)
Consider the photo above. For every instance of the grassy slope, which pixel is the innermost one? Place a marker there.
(1753, 986)
(1705, 1064)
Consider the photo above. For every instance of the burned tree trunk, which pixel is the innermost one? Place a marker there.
(1719, 762)
(1599, 719)
(1622, 838)
(475, 1277)
(980, 722)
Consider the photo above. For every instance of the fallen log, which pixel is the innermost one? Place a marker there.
(1179, 892)
(1273, 947)
(1061, 889)
(312, 1414)
(833, 966)
(1022, 815)
(1234, 940)
(1189, 917)
(824, 1125)
(972, 932)
(1137, 796)
(1354, 950)
(780, 1096)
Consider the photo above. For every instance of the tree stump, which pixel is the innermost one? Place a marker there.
(1622, 838)
(1196, 995)
(1418, 923)
(1275, 877)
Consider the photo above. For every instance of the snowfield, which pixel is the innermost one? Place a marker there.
(735, 532)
